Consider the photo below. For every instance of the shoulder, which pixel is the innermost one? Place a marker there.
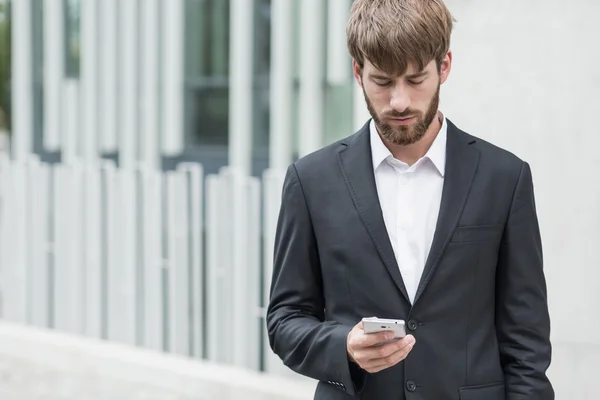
(492, 155)
(326, 160)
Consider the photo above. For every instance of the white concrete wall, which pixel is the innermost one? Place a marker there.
(525, 76)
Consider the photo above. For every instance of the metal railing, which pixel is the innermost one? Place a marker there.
(171, 261)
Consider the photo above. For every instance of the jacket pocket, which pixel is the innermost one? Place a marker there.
(477, 233)
(493, 391)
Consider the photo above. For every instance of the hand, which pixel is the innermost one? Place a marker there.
(363, 350)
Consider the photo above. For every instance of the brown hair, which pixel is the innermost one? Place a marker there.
(392, 33)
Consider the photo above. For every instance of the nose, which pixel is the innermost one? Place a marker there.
(400, 100)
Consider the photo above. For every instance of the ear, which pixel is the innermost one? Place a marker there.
(446, 67)
(357, 72)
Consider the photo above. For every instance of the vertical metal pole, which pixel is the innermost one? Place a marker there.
(129, 84)
(194, 179)
(92, 251)
(109, 97)
(177, 244)
(338, 60)
(149, 70)
(39, 281)
(173, 77)
(280, 138)
(22, 71)
(69, 289)
(70, 120)
(311, 75)
(38, 185)
(151, 226)
(240, 90)
(54, 67)
(89, 80)
(15, 271)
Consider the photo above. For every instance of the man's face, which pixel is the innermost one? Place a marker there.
(403, 107)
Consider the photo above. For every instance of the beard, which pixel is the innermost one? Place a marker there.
(405, 134)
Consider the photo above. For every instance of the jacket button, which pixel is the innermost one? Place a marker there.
(413, 325)
(411, 386)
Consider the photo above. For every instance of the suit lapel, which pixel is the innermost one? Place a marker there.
(357, 168)
(461, 163)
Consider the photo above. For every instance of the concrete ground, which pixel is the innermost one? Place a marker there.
(40, 364)
(24, 380)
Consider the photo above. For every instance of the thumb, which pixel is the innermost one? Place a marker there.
(360, 324)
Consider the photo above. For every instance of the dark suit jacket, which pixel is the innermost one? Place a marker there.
(480, 316)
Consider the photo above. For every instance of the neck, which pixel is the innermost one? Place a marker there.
(411, 153)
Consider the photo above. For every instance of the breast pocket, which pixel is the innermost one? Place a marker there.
(477, 233)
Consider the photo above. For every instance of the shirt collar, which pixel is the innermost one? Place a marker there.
(436, 153)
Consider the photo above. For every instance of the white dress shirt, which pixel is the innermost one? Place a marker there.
(410, 198)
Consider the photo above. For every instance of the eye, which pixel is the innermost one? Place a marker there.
(416, 83)
(383, 83)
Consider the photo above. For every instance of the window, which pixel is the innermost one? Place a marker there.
(207, 72)
(207, 36)
(72, 37)
(37, 11)
(262, 63)
(5, 66)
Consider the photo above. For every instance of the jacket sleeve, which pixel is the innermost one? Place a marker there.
(522, 318)
(295, 314)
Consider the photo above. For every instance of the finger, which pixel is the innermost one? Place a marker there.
(370, 355)
(389, 361)
(388, 349)
(376, 356)
(364, 353)
(371, 339)
(354, 340)
(360, 325)
(360, 340)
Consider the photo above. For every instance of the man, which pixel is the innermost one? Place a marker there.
(410, 218)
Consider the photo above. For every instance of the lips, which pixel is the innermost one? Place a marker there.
(401, 121)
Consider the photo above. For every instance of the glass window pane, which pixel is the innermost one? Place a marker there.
(207, 38)
(207, 35)
(262, 64)
(37, 9)
(5, 66)
(72, 37)
(207, 71)
(207, 110)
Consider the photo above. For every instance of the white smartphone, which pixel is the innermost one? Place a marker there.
(374, 325)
